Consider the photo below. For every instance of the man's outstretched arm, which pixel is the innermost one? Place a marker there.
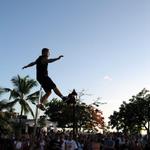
(54, 59)
(29, 65)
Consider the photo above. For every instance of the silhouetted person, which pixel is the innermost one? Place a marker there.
(42, 76)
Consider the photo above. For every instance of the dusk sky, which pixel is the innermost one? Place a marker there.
(105, 43)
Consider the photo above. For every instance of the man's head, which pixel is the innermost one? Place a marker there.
(45, 52)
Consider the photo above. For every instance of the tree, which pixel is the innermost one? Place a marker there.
(133, 116)
(97, 120)
(21, 93)
(6, 126)
(87, 117)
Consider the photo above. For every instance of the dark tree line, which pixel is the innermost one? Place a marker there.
(87, 117)
(133, 116)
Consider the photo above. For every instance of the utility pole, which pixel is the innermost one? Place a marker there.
(35, 121)
(73, 97)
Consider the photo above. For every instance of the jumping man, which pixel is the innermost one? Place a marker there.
(42, 76)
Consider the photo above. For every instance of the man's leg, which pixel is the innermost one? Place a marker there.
(48, 84)
(58, 93)
(43, 100)
(45, 97)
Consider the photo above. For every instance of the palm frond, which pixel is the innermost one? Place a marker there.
(12, 103)
(14, 94)
(4, 90)
(31, 83)
(23, 85)
(25, 107)
(4, 104)
(16, 81)
(29, 110)
(33, 97)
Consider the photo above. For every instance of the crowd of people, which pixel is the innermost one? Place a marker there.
(65, 141)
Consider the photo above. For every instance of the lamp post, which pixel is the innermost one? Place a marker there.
(72, 101)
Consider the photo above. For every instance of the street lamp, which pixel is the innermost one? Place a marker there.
(72, 100)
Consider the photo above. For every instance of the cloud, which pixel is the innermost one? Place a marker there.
(106, 77)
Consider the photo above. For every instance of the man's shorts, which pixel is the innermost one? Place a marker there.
(47, 84)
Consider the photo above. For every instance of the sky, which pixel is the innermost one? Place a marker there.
(105, 44)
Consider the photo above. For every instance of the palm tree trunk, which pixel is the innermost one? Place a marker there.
(20, 121)
(21, 114)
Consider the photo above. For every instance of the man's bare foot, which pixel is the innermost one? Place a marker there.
(41, 106)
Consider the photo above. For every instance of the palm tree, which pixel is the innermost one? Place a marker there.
(5, 125)
(3, 104)
(21, 93)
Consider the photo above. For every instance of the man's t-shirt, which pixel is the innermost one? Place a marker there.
(41, 68)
